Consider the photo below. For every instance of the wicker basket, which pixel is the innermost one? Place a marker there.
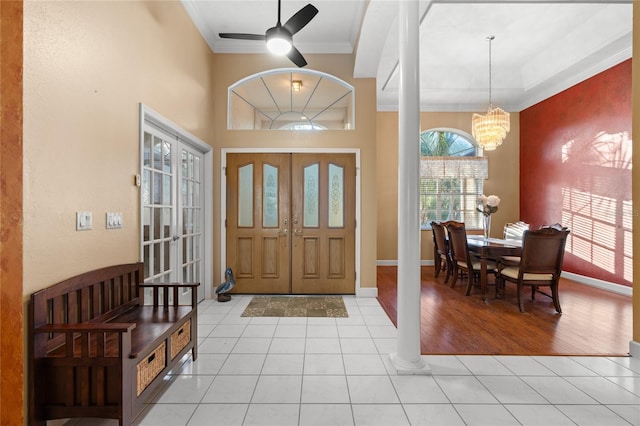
(180, 338)
(150, 367)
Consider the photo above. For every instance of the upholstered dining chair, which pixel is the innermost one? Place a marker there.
(540, 264)
(515, 230)
(461, 259)
(441, 256)
(446, 226)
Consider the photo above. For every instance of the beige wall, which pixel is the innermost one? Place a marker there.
(503, 181)
(87, 66)
(231, 68)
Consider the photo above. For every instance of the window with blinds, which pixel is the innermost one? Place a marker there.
(451, 178)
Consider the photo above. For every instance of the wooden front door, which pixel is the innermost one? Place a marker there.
(291, 222)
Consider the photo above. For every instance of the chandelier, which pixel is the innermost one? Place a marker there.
(490, 129)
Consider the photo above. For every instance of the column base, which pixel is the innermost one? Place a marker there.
(634, 349)
(406, 368)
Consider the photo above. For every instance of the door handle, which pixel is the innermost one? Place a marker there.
(297, 232)
(284, 232)
(176, 237)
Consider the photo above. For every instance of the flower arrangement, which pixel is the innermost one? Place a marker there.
(488, 205)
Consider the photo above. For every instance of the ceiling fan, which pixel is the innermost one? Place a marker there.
(280, 38)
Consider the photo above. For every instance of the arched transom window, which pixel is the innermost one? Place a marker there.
(291, 99)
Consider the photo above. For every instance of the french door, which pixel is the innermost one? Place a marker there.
(172, 210)
(291, 222)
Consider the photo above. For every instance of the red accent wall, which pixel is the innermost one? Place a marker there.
(575, 169)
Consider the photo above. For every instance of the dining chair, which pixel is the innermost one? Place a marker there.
(461, 258)
(515, 230)
(452, 223)
(446, 226)
(556, 225)
(540, 264)
(441, 255)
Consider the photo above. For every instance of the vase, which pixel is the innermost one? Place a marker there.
(486, 225)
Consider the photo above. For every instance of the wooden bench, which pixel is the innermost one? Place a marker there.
(96, 350)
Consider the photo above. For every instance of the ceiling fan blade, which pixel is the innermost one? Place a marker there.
(242, 36)
(296, 57)
(301, 18)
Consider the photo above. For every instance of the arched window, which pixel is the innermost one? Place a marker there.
(291, 99)
(452, 176)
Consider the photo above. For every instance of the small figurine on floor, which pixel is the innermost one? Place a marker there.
(226, 286)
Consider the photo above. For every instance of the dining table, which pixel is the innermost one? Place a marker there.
(491, 249)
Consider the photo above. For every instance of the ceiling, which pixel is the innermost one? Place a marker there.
(540, 47)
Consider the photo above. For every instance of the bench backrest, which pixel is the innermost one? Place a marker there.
(94, 296)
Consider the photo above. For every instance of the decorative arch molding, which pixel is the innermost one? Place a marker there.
(291, 99)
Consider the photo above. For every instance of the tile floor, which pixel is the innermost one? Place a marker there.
(336, 371)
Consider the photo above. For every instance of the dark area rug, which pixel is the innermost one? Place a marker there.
(296, 306)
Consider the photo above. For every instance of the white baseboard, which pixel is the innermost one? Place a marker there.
(634, 349)
(594, 282)
(367, 292)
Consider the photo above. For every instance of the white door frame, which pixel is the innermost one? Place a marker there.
(223, 195)
(149, 115)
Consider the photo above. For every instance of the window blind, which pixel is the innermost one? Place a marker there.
(454, 167)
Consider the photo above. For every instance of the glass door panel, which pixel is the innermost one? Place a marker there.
(191, 217)
(172, 218)
(336, 196)
(245, 196)
(311, 192)
(158, 208)
(270, 197)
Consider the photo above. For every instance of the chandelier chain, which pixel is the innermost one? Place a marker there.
(490, 38)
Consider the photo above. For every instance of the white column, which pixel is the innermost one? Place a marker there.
(408, 359)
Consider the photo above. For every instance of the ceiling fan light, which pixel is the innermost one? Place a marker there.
(279, 46)
(278, 41)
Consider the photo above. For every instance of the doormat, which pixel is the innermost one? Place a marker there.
(296, 306)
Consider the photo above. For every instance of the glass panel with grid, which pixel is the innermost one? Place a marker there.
(449, 199)
(192, 215)
(158, 198)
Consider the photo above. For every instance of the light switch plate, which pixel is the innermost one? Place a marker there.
(84, 221)
(114, 220)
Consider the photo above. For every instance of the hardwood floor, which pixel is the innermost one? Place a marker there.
(594, 321)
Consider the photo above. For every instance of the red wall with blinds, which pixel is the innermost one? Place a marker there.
(575, 169)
